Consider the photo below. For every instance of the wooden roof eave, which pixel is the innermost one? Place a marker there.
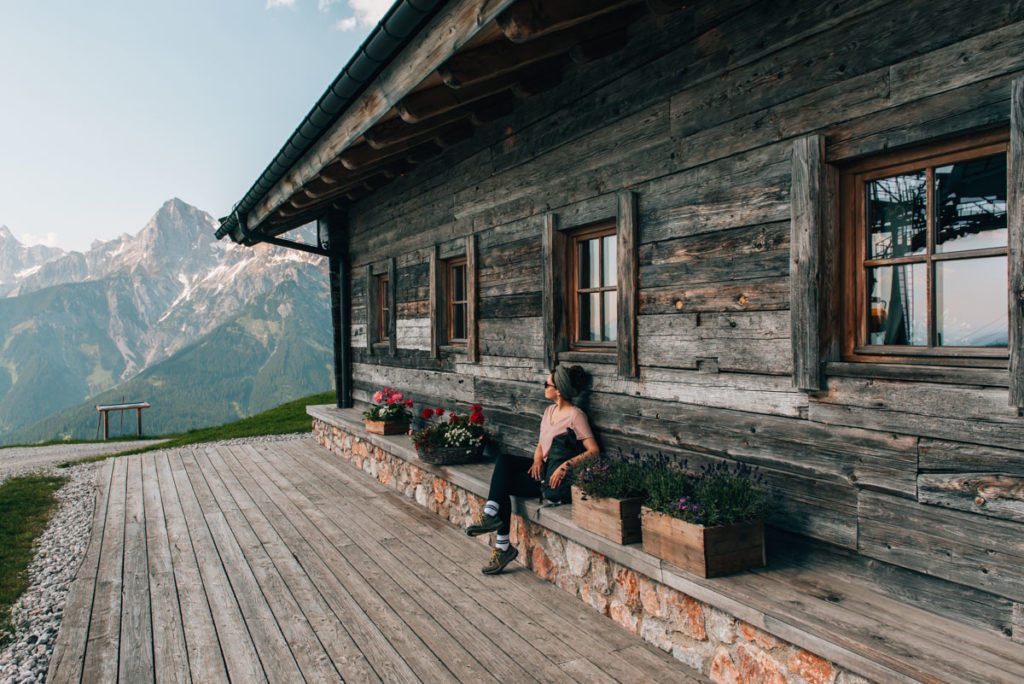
(452, 27)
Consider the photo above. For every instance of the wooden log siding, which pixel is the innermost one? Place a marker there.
(805, 271)
(1015, 223)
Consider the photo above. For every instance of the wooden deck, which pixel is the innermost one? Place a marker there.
(277, 562)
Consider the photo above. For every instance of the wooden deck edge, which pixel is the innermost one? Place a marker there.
(773, 620)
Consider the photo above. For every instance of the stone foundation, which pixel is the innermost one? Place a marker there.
(705, 638)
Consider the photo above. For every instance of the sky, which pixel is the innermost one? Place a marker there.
(110, 108)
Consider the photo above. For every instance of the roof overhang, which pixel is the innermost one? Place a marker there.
(427, 75)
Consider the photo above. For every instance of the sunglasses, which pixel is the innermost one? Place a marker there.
(547, 384)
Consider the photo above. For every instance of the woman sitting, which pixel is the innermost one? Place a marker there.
(565, 438)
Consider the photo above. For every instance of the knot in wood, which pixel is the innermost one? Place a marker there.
(979, 501)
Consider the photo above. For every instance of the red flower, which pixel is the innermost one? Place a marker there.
(477, 408)
(477, 419)
(427, 414)
(452, 418)
(439, 412)
(408, 402)
(391, 400)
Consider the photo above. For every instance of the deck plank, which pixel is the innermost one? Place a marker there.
(170, 658)
(240, 655)
(69, 650)
(338, 583)
(101, 650)
(298, 635)
(342, 554)
(205, 659)
(406, 572)
(278, 661)
(350, 663)
(135, 658)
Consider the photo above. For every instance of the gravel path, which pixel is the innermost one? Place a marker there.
(59, 551)
(15, 460)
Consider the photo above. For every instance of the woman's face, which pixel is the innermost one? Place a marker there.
(550, 392)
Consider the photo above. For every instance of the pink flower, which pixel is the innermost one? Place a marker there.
(399, 396)
(377, 396)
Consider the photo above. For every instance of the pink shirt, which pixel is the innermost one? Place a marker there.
(576, 419)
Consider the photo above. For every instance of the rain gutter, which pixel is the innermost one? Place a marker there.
(401, 23)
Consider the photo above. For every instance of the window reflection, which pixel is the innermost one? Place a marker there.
(971, 305)
(897, 215)
(898, 304)
(971, 204)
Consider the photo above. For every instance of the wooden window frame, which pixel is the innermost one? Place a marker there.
(556, 287)
(450, 301)
(574, 238)
(440, 301)
(853, 249)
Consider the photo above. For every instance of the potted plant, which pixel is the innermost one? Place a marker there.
(607, 495)
(390, 414)
(710, 524)
(450, 439)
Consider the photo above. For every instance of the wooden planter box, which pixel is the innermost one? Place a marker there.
(615, 519)
(386, 427)
(451, 455)
(704, 551)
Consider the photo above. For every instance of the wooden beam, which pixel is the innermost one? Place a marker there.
(454, 26)
(362, 156)
(528, 20)
(628, 278)
(472, 304)
(1015, 223)
(396, 131)
(494, 59)
(807, 201)
(431, 102)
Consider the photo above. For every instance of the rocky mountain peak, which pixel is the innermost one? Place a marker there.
(6, 234)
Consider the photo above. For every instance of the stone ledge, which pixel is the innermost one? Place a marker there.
(784, 627)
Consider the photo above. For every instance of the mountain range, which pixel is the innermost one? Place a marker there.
(205, 331)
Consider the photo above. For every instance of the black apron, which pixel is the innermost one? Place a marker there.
(563, 447)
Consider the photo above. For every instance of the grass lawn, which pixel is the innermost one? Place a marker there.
(26, 504)
(284, 419)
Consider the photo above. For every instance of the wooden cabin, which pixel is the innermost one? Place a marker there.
(786, 233)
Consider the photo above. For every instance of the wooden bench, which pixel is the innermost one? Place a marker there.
(104, 417)
(825, 600)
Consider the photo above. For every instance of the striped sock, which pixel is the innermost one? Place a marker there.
(501, 542)
(491, 508)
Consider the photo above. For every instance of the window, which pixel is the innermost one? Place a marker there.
(926, 242)
(457, 301)
(593, 301)
(383, 310)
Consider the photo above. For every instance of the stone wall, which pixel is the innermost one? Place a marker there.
(706, 639)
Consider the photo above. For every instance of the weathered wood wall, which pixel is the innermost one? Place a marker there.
(697, 116)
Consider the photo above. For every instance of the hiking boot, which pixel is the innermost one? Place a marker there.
(499, 559)
(484, 524)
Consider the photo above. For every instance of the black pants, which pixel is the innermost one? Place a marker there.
(511, 477)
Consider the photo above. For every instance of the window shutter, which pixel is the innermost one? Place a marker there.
(435, 305)
(472, 334)
(555, 309)
(392, 321)
(1015, 225)
(628, 283)
(372, 324)
(807, 228)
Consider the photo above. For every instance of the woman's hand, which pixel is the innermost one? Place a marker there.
(559, 474)
(537, 469)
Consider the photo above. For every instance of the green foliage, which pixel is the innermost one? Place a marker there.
(617, 476)
(285, 419)
(26, 504)
(717, 495)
